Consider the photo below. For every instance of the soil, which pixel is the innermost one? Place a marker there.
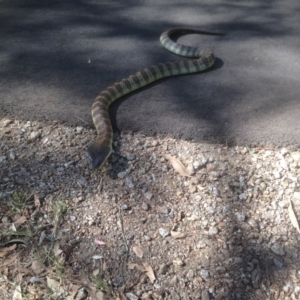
(219, 226)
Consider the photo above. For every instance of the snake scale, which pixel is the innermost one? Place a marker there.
(101, 148)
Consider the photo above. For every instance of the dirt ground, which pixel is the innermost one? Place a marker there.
(163, 219)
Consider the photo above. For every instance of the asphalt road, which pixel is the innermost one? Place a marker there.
(56, 56)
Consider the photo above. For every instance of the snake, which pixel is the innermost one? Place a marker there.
(203, 59)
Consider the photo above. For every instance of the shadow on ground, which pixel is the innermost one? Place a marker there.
(57, 56)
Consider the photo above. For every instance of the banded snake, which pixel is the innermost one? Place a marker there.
(101, 148)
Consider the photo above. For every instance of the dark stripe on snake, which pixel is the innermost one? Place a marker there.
(145, 75)
(127, 83)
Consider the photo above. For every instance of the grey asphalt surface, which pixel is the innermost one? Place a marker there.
(56, 56)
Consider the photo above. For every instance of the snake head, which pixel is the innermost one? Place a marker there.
(98, 154)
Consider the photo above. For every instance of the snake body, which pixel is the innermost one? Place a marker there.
(101, 148)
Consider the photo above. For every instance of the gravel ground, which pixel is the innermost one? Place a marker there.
(223, 233)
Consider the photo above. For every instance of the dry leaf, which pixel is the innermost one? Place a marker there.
(101, 296)
(119, 223)
(37, 202)
(54, 286)
(138, 251)
(17, 293)
(177, 165)
(97, 256)
(178, 262)
(99, 242)
(37, 267)
(178, 235)
(131, 266)
(149, 272)
(25, 271)
(193, 218)
(293, 276)
(75, 289)
(293, 217)
(56, 250)
(13, 227)
(135, 266)
(4, 272)
(9, 260)
(5, 250)
(96, 295)
(20, 221)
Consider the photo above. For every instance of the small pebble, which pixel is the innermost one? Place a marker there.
(5, 220)
(81, 182)
(79, 129)
(201, 245)
(240, 216)
(212, 230)
(148, 195)
(196, 164)
(210, 210)
(122, 175)
(204, 274)
(252, 223)
(277, 175)
(215, 191)
(132, 296)
(277, 249)
(190, 169)
(278, 263)
(278, 220)
(192, 189)
(34, 135)
(129, 182)
(145, 206)
(125, 207)
(205, 295)
(237, 260)
(163, 232)
(130, 156)
(178, 262)
(242, 196)
(12, 154)
(165, 210)
(190, 274)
